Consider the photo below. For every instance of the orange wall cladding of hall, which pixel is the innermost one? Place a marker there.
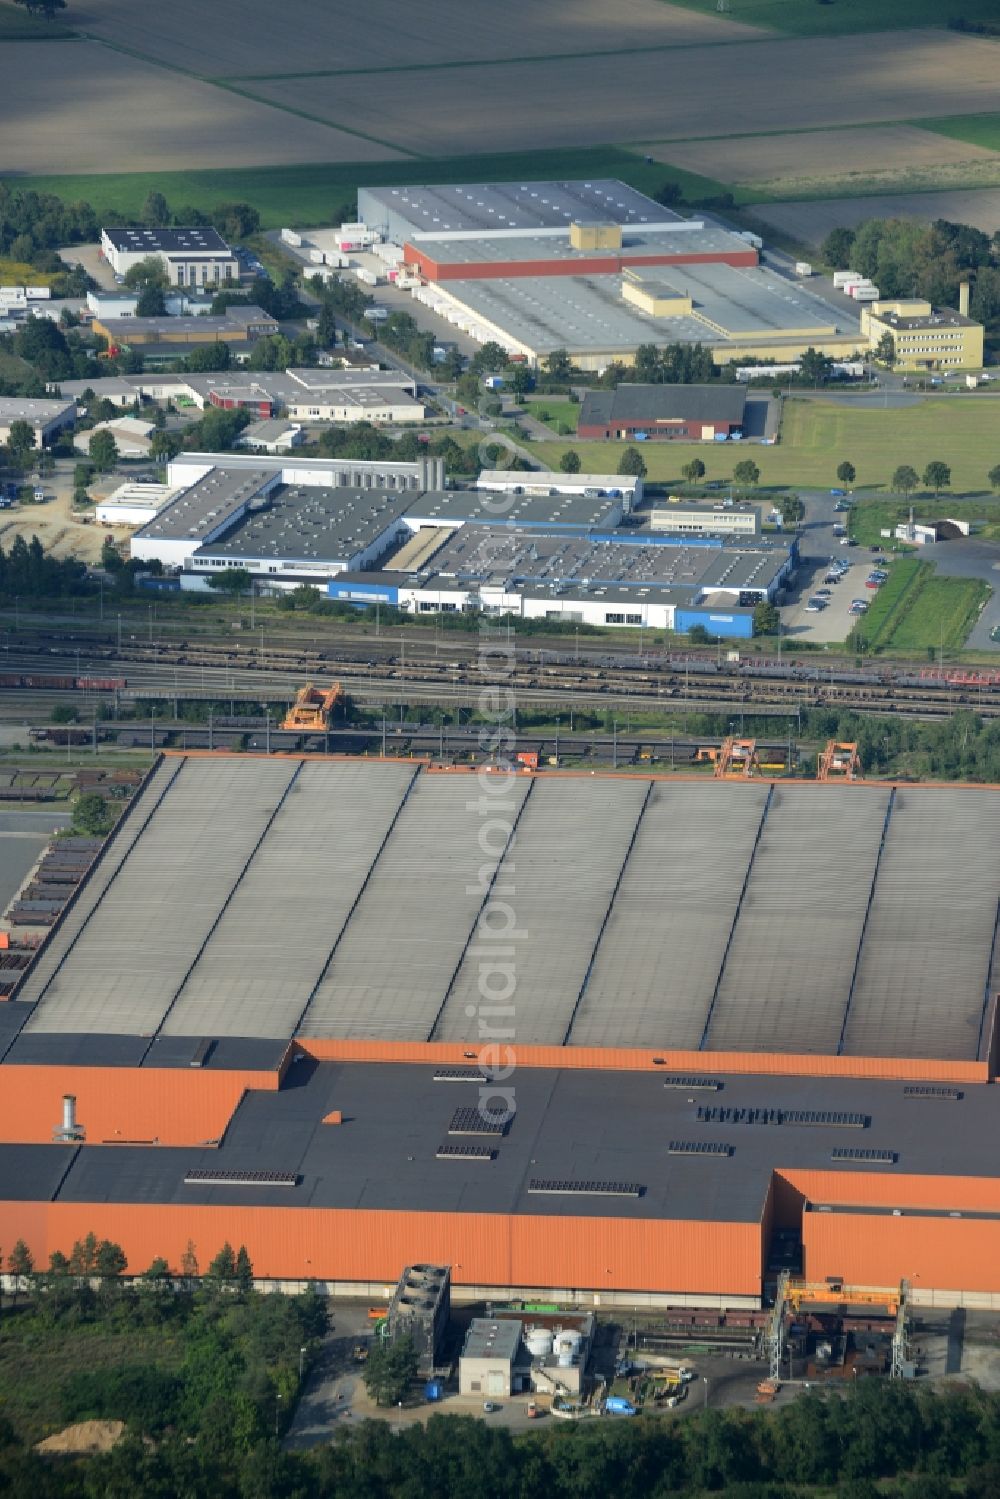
(610, 1254)
(591, 265)
(924, 1244)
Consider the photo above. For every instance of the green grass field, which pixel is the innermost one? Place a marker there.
(918, 611)
(313, 194)
(559, 415)
(17, 25)
(812, 18)
(977, 130)
(818, 435)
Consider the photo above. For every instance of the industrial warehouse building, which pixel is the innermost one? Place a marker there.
(45, 418)
(738, 1010)
(196, 257)
(576, 576)
(594, 269)
(239, 325)
(534, 551)
(695, 413)
(311, 395)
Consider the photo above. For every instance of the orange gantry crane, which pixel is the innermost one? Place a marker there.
(313, 708)
(736, 760)
(839, 759)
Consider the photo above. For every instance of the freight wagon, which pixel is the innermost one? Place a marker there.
(62, 684)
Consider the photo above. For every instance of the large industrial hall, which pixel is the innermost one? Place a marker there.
(712, 1012)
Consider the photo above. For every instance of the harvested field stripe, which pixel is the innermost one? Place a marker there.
(304, 114)
(147, 57)
(484, 62)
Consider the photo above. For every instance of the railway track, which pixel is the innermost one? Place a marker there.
(203, 670)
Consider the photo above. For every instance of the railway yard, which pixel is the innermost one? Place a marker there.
(88, 666)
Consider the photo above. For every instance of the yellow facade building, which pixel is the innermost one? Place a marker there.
(925, 337)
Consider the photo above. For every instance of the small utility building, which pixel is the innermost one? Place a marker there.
(486, 1365)
(706, 413)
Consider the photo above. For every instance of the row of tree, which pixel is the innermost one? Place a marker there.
(906, 258)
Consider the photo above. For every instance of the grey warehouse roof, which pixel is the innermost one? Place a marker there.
(589, 313)
(454, 506)
(264, 898)
(207, 504)
(493, 554)
(510, 205)
(310, 521)
(660, 403)
(570, 1125)
(140, 241)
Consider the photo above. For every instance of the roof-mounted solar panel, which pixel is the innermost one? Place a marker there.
(467, 1152)
(698, 1147)
(564, 1187)
(932, 1090)
(224, 1176)
(871, 1157)
(474, 1122)
(460, 1075)
(705, 1084)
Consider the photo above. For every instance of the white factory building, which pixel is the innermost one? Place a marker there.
(45, 418)
(191, 257)
(625, 487)
(683, 518)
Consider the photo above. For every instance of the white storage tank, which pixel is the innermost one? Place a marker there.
(538, 1342)
(291, 238)
(566, 1345)
(803, 268)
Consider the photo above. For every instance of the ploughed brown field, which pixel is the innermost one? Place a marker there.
(740, 89)
(822, 154)
(78, 107)
(303, 36)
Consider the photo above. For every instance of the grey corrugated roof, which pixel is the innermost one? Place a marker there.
(653, 403)
(241, 893)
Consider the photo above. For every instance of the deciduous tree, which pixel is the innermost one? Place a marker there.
(632, 462)
(905, 479)
(569, 463)
(390, 1370)
(103, 450)
(746, 472)
(937, 476)
(846, 473)
(693, 471)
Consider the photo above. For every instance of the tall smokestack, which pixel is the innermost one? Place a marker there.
(963, 299)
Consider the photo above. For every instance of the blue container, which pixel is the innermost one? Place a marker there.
(433, 1390)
